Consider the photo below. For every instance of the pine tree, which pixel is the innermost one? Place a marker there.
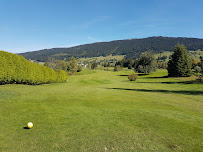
(180, 64)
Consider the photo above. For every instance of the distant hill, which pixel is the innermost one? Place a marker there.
(132, 48)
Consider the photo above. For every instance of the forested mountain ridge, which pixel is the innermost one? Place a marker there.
(132, 48)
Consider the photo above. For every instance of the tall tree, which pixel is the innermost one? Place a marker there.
(146, 63)
(73, 65)
(180, 64)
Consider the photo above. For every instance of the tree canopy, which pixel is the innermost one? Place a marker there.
(180, 64)
(146, 63)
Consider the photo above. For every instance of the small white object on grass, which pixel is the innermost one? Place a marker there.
(29, 124)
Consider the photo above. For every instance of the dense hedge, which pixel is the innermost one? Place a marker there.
(16, 69)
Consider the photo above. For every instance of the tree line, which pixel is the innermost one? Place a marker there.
(131, 48)
(179, 65)
(16, 69)
(72, 66)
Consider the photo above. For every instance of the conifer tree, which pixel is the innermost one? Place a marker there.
(180, 64)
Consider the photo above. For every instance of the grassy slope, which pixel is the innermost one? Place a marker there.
(91, 114)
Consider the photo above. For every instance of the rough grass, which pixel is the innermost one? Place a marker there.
(103, 111)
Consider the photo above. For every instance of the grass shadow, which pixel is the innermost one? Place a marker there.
(123, 75)
(26, 128)
(157, 77)
(140, 74)
(163, 91)
(180, 82)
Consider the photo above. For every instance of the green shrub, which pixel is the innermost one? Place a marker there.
(117, 68)
(132, 77)
(61, 76)
(16, 69)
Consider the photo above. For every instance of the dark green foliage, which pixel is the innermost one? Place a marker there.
(132, 77)
(130, 66)
(131, 48)
(180, 64)
(120, 63)
(94, 65)
(146, 63)
(106, 64)
(126, 63)
(16, 69)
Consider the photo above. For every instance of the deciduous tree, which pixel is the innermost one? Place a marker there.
(146, 63)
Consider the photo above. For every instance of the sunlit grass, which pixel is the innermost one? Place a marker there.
(103, 111)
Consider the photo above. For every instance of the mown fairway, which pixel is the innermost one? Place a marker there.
(103, 111)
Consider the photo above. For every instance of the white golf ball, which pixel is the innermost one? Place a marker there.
(29, 124)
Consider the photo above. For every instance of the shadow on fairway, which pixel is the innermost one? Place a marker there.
(183, 82)
(26, 128)
(162, 91)
(157, 77)
(140, 74)
(123, 75)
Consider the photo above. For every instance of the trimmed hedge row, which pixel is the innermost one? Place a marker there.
(16, 69)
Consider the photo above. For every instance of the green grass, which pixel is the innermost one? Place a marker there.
(103, 111)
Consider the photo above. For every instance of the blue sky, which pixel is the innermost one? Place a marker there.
(29, 25)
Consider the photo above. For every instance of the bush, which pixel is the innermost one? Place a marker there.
(61, 76)
(117, 68)
(16, 69)
(132, 77)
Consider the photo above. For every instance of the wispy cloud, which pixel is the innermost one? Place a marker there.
(92, 22)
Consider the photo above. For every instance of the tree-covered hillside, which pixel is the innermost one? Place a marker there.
(132, 48)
